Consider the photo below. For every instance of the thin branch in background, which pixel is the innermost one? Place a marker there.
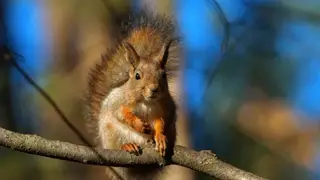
(202, 161)
(10, 57)
(59, 111)
(225, 23)
(50, 100)
(224, 43)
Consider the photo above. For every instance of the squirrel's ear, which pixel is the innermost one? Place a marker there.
(131, 55)
(162, 56)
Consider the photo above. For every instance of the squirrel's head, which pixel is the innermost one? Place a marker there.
(147, 76)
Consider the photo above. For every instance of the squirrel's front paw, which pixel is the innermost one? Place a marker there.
(131, 148)
(161, 143)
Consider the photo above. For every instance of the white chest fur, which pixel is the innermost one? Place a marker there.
(148, 111)
(113, 98)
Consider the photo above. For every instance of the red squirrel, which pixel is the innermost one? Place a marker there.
(128, 95)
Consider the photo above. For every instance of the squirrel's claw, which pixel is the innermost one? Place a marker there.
(161, 143)
(131, 148)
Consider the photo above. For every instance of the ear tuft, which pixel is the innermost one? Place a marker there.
(131, 55)
(162, 56)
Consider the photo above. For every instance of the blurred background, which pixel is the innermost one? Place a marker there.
(251, 80)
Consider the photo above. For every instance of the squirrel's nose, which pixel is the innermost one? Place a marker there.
(154, 89)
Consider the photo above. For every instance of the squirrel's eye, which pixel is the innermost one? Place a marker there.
(137, 76)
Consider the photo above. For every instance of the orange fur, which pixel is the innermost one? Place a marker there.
(147, 41)
(158, 126)
(159, 137)
(132, 120)
(129, 117)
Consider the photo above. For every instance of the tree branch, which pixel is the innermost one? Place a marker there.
(203, 161)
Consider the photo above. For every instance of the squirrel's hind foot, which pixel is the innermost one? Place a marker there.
(161, 144)
(131, 148)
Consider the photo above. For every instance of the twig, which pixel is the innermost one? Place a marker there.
(202, 161)
(50, 101)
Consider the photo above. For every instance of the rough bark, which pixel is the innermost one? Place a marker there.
(203, 161)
